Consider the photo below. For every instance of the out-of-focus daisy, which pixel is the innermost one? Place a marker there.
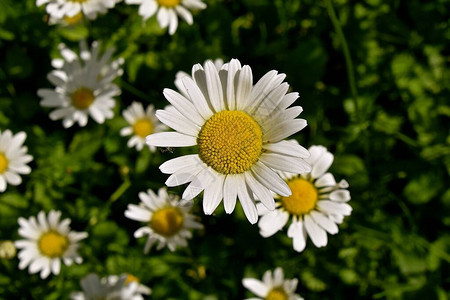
(238, 129)
(13, 158)
(180, 74)
(316, 205)
(142, 123)
(167, 11)
(272, 287)
(131, 285)
(67, 21)
(110, 288)
(60, 9)
(83, 86)
(167, 219)
(48, 241)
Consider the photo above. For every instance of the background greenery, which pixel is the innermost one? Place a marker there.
(389, 134)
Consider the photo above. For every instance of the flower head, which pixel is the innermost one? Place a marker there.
(168, 219)
(13, 158)
(142, 123)
(63, 9)
(111, 287)
(167, 11)
(316, 205)
(47, 241)
(238, 129)
(273, 287)
(83, 86)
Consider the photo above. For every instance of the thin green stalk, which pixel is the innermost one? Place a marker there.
(348, 58)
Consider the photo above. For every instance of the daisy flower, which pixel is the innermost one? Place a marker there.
(83, 86)
(142, 123)
(13, 158)
(272, 287)
(60, 9)
(115, 287)
(316, 205)
(168, 220)
(47, 241)
(167, 11)
(131, 285)
(238, 130)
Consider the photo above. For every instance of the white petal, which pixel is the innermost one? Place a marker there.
(291, 148)
(324, 222)
(197, 97)
(270, 179)
(285, 163)
(214, 86)
(213, 195)
(326, 179)
(170, 139)
(322, 164)
(315, 232)
(230, 193)
(296, 231)
(261, 192)
(177, 122)
(244, 87)
(246, 200)
(255, 286)
(273, 222)
(233, 69)
(284, 129)
(175, 164)
(331, 207)
(184, 106)
(340, 195)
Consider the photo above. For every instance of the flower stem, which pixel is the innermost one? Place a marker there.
(348, 58)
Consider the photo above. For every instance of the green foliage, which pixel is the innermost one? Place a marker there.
(391, 143)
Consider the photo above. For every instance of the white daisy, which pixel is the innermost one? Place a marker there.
(59, 9)
(47, 241)
(13, 158)
(238, 129)
(142, 123)
(109, 288)
(168, 219)
(131, 285)
(167, 11)
(83, 86)
(316, 205)
(272, 287)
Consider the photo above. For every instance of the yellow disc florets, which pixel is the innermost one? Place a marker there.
(303, 199)
(143, 127)
(82, 98)
(168, 3)
(276, 294)
(3, 163)
(74, 19)
(230, 142)
(131, 278)
(167, 221)
(53, 244)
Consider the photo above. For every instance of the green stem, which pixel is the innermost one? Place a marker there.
(128, 87)
(119, 192)
(348, 58)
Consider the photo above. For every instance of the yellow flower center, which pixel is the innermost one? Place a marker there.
(168, 3)
(277, 294)
(3, 163)
(131, 278)
(230, 142)
(53, 244)
(82, 98)
(303, 199)
(73, 20)
(143, 127)
(167, 221)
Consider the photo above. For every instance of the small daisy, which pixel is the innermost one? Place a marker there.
(111, 287)
(272, 287)
(47, 241)
(168, 219)
(131, 285)
(60, 9)
(83, 86)
(316, 205)
(167, 11)
(142, 123)
(13, 158)
(238, 129)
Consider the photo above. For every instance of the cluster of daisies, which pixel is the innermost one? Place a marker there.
(238, 132)
(71, 12)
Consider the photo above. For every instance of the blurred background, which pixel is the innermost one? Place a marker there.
(374, 81)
